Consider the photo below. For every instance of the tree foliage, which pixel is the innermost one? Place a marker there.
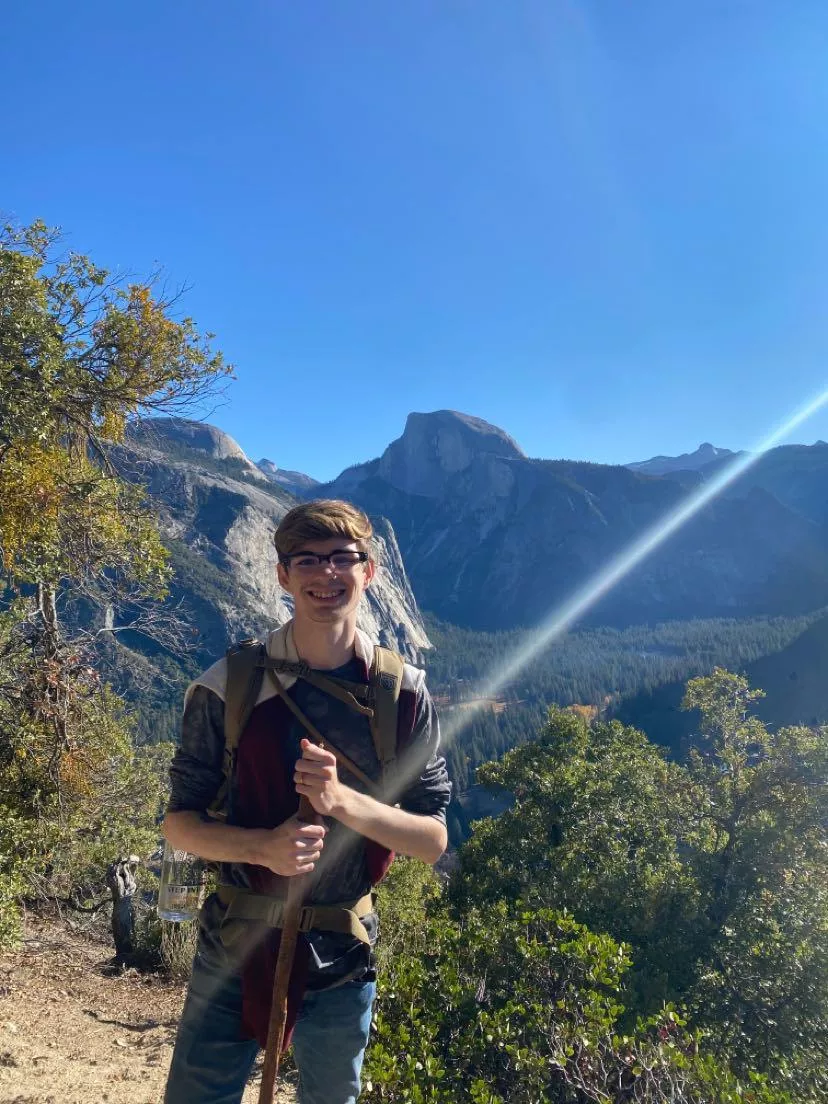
(81, 352)
(632, 929)
(596, 828)
(759, 803)
(713, 872)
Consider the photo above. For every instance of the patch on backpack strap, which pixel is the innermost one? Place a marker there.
(388, 682)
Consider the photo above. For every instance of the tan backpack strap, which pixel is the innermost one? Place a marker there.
(386, 676)
(347, 692)
(317, 736)
(244, 681)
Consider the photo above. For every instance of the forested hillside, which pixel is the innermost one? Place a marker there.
(793, 677)
(594, 667)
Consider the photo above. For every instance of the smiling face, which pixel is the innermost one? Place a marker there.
(324, 593)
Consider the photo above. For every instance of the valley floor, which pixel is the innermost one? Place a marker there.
(71, 1032)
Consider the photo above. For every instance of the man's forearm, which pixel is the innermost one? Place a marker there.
(292, 848)
(421, 837)
(212, 839)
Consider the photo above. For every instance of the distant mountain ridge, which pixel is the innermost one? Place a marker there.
(688, 461)
(796, 475)
(294, 481)
(475, 532)
(493, 539)
(432, 448)
(185, 439)
(489, 538)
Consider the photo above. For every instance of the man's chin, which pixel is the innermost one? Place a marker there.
(325, 615)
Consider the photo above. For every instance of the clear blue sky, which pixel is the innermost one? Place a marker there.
(599, 224)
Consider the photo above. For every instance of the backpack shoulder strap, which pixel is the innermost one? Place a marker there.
(244, 681)
(386, 675)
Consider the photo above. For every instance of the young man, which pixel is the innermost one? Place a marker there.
(325, 565)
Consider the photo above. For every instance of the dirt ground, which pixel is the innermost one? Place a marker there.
(73, 1031)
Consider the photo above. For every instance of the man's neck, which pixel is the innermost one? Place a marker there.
(324, 647)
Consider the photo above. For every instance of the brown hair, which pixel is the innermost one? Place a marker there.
(318, 521)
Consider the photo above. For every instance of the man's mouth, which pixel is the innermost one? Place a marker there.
(326, 595)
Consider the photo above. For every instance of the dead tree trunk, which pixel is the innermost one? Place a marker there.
(120, 877)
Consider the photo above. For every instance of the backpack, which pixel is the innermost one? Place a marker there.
(378, 699)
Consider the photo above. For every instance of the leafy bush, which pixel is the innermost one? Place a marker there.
(71, 799)
(713, 872)
(18, 862)
(402, 898)
(520, 1004)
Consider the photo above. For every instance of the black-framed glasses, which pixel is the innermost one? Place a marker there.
(341, 559)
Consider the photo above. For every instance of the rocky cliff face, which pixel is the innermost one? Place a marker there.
(219, 518)
(437, 447)
(180, 438)
(492, 539)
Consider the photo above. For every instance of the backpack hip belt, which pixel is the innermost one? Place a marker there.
(244, 904)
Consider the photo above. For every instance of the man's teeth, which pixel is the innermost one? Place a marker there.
(325, 593)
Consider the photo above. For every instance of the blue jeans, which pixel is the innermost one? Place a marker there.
(212, 1062)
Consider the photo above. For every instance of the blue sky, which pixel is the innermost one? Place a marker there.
(599, 225)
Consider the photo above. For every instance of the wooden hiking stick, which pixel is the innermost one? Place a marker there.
(298, 887)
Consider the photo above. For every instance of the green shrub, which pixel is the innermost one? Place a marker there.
(523, 1005)
(19, 841)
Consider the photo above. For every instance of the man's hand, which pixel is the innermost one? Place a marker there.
(317, 780)
(423, 837)
(292, 848)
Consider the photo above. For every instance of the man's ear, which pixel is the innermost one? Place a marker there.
(282, 575)
(370, 571)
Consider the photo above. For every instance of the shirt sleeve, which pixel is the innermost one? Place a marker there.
(196, 770)
(430, 793)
